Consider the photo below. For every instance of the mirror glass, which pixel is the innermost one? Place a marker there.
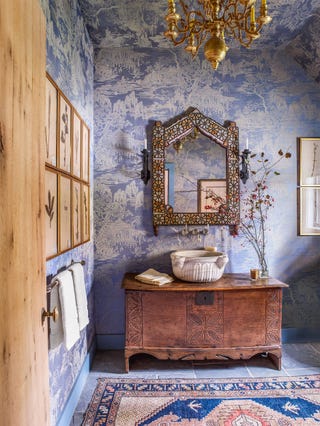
(195, 172)
(195, 175)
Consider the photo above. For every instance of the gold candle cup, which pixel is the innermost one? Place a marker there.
(254, 274)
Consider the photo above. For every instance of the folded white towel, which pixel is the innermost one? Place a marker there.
(69, 311)
(55, 327)
(81, 294)
(151, 276)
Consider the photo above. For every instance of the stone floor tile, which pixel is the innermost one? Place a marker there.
(300, 355)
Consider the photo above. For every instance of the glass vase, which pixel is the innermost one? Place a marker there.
(264, 273)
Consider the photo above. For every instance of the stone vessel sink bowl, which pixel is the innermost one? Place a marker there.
(198, 265)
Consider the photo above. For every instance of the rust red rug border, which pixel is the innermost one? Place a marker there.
(102, 409)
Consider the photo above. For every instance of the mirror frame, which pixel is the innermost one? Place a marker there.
(227, 136)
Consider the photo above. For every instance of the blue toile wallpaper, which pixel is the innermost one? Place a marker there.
(127, 78)
(70, 64)
(305, 47)
(273, 102)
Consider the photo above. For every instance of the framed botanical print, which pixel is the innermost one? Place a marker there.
(51, 123)
(64, 134)
(67, 175)
(309, 186)
(85, 212)
(76, 213)
(309, 199)
(309, 161)
(212, 193)
(85, 153)
(76, 145)
(51, 212)
(64, 213)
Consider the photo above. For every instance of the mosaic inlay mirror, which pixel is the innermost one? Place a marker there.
(195, 169)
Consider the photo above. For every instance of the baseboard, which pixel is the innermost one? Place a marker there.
(110, 341)
(300, 335)
(289, 335)
(71, 404)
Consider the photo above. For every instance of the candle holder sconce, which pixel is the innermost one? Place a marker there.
(244, 172)
(145, 172)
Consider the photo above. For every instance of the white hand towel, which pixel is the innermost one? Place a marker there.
(69, 312)
(151, 276)
(80, 293)
(55, 327)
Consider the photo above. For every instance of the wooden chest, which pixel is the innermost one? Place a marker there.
(232, 318)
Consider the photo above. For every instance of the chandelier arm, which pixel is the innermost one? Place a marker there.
(192, 24)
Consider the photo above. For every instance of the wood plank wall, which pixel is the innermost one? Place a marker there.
(24, 387)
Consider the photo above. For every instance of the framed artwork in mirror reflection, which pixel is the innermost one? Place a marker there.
(212, 194)
(169, 184)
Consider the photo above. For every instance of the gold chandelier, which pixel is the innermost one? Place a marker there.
(215, 19)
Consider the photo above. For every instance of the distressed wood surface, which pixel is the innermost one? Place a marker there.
(233, 320)
(23, 340)
(226, 282)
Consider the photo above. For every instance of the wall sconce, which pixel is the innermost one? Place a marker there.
(244, 172)
(145, 172)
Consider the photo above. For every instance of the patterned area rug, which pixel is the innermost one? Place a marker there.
(211, 402)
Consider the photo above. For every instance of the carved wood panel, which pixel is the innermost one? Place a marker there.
(204, 322)
(134, 318)
(273, 316)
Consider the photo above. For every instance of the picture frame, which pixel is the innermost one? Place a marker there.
(64, 139)
(51, 123)
(51, 213)
(309, 200)
(76, 213)
(85, 152)
(64, 213)
(212, 193)
(308, 186)
(76, 144)
(67, 174)
(309, 161)
(85, 212)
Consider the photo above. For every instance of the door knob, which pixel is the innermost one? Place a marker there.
(47, 314)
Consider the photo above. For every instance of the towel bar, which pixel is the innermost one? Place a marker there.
(51, 279)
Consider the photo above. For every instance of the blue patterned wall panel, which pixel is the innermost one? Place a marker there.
(70, 64)
(272, 101)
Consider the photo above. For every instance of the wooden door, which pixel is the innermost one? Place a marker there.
(24, 386)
